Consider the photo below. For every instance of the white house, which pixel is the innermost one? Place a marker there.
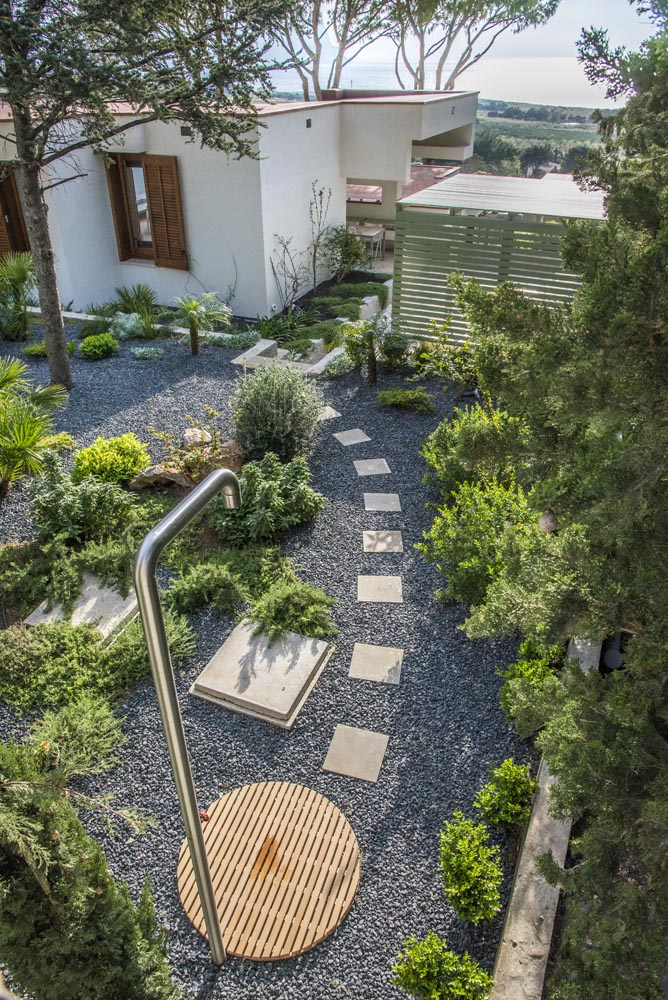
(160, 209)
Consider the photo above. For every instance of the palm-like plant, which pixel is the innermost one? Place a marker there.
(200, 314)
(17, 278)
(26, 421)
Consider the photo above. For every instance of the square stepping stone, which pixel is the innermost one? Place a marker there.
(382, 501)
(372, 467)
(97, 605)
(382, 541)
(355, 436)
(267, 680)
(376, 663)
(328, 413)
(380, 589)
(357, 753)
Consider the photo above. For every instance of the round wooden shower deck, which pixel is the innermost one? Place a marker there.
(285, 866)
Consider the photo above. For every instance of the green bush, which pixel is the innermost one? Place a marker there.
(339, 366)
(325, 329)
(276, 410)
(407, 399)
(53, 665)
(530, 686)
(331, 307)
(456, 363)
(302, 346)
(228, 579)
(274, 498)
(478, 442)
(68, 931)
(505, 800)
(77, 511)
(344, 251)
(98, 346)
(429, 971)
(113, 460)
(38, 349)
(362, 345)
(62, 441)
(293, 606)
(465, 539)
(470, 868)
(232, 341)
(394, 348)
(363, 289)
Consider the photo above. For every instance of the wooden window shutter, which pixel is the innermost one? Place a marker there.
(5, 242)
(118, 209)
(13, 234)
(164, 206)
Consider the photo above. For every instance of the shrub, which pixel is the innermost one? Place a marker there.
(394, 348)
(344, 251)
(62, 441)
(302, 347)
(336, 308)
(52, 665)
(465, 539)
(274, 498)
(123, 326)
(363, 289)
(232, 341)
(276, 410)
(200, 313)
(362, 345)
(440, 358)
(479, 442)
(529, 690)
(407, 399)
(98, 346)
(325, 329)
(139, 301)
(470, 869)
(228, 579)
(293, 606)
(113, 460)
(26, 422)
(17, 277)
(147, 353)
(68, 931)
(429, 971)
(339, 366)
(38, 349)
(79, 511)
(505, 800)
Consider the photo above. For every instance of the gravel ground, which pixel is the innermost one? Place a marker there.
(444, 720)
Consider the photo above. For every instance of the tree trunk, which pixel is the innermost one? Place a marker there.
(194, 339)
(37, 226)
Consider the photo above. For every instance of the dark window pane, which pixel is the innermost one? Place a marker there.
(137, 204)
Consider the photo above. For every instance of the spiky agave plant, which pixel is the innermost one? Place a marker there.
(17, 279)
(27, 416)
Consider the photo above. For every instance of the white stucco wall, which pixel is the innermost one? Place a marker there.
(293, 158)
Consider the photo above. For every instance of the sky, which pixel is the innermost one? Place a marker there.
(538, 65)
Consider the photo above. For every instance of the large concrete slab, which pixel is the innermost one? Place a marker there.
(372, 467)
(357, 753)
(268, 680)
(96, 605)
(382, 541)
(527, 932)
(380, 589)
(382, 501)
(376, 663)
(356, 436)
(328, 413)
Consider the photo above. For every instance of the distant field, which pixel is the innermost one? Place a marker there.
(526, 133)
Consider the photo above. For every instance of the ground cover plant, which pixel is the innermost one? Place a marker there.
(408, 399)
(293, 606)
(229, 578)
(98, 346)
(38, 349)
(428, 970)
(276, 410)
(470, 868)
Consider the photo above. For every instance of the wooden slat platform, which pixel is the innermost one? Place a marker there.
(285, 865)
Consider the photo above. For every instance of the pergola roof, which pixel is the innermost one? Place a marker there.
(556, 196)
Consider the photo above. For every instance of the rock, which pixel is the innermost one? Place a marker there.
(548, 522)
(228, 455)
(195, 436)
(158, 475)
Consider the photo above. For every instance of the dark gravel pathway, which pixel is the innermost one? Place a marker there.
(444, 720)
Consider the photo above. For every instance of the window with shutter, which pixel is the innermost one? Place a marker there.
(146, 205)
(13, 234)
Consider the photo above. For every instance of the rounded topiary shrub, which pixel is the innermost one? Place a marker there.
(113, 460)
(276, 409)
(470, 868)
(98, 346)
(428, 970)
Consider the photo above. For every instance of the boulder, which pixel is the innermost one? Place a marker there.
(193, 437)
(228, 455)
(159, 475)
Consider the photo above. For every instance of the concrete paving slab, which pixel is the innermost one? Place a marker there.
(357, 753)
(96, 605)
(328, 413)
(355, 436)
(267, 680)
(372, 467)
(382, 541)
(380, 589)
(376, 663)
(382, 501)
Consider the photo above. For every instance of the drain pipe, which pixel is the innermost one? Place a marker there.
(225, 483)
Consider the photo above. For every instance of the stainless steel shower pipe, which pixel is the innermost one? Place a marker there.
(223, 482)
